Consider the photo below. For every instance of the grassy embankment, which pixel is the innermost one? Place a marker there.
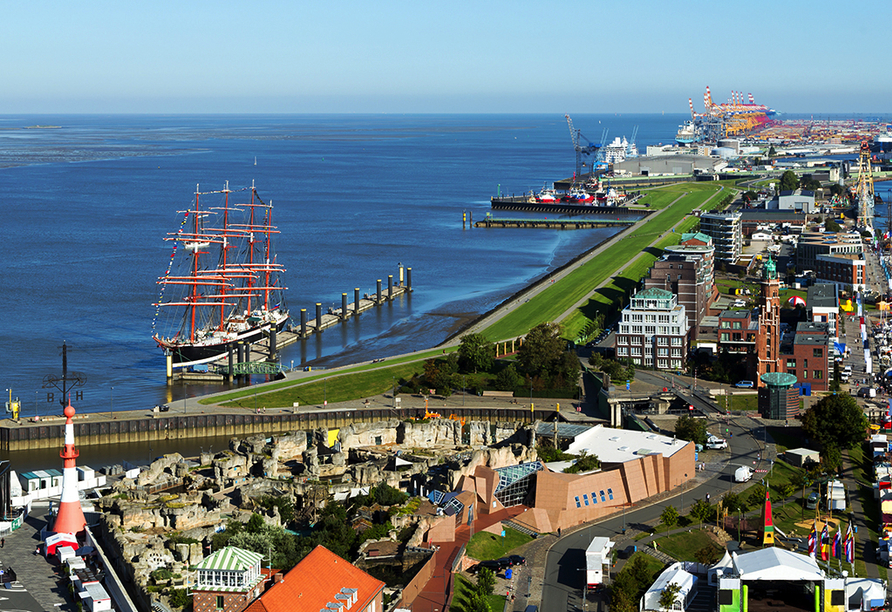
(632, 249)
(352, 383)
(372, 379)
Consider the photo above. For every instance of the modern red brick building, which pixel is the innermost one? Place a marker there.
(845, 270)
(634, 465)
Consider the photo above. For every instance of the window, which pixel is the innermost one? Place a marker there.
(622, 340)
(585, 498)
(635, 339)
(818, 375)
(676, 341)
(676, 352)
(736, 325)
(610, 493)
(818, 352)
(791, 363)
(602, 496)
(650, 329)
(662, 352)
(622, 351)
(662, 363)
(219, 602)
(663, 341)
(594, 497)
(726, 324)
(578, 505)
(806, 363)
(636, 351)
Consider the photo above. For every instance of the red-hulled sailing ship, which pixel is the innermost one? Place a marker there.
(223, 284)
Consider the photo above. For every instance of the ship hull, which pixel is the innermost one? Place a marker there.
(185, 353)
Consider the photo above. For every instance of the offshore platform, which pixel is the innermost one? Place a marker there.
(736, 117)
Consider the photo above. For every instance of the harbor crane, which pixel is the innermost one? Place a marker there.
(581, 150)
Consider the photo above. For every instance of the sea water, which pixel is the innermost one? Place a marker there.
(87, 205)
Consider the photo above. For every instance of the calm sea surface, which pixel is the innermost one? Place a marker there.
(86, 207)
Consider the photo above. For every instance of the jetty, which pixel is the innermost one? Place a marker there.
(261, 357)
(562, 223)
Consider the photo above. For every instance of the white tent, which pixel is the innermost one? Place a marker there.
(865, 593)
(672, 574)
(722, 567)
(776, 564)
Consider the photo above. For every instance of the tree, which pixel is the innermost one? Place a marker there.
(836, 420)
(772, 152)
(732, 502)
(179, 598)
(703, 511)
(669, 517)
(707, 555)
(669, 595)
(831, 226)
(541, 349)
(486, 581)
(475, 353)
(788, 181)
(477, 602)
(836, 382)
(689, 428)
(508, 379)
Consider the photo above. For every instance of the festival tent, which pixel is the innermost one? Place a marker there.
(673, 574)
(719, 568)
(776, 564)
(56, 540)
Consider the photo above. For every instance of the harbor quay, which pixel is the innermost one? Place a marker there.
(197, 422)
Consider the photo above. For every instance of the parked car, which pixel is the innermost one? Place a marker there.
(516, 560)
(811, 502)
(745, 384)
(867, 392)
(494, 564)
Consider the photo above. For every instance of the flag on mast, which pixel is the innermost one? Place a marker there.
(812, 539)
(836, 549)
(825, 543)
(849, 545)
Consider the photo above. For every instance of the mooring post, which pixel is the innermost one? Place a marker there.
(303, 322)
(390, 286)
(409, 279)
(400, 267)
(344, 306)
(379, 290)
(272, 342)
(356, 300)
(318, 317)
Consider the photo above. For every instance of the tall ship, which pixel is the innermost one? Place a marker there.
(223, 283)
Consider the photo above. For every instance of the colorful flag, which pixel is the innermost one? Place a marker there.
(812, 539)
(850, 545)
(825, 543)
(836, 548)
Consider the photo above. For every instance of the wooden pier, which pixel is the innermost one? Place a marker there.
(261, 357)
(526, 204)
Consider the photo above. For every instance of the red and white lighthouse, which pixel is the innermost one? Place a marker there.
(70, 518)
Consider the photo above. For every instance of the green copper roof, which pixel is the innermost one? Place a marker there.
(778, 379)
(654, 294)
(769, 270)
(696, 236)
(230, 558)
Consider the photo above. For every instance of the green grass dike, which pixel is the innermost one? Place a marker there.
(484, 546)
(676, 201)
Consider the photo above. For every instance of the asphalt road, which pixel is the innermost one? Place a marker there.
(563, 584)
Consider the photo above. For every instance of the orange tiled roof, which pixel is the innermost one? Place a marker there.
(315, 582)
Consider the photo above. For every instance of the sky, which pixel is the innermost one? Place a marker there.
(345, 56)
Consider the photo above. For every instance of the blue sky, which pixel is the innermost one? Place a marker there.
(447, 57)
